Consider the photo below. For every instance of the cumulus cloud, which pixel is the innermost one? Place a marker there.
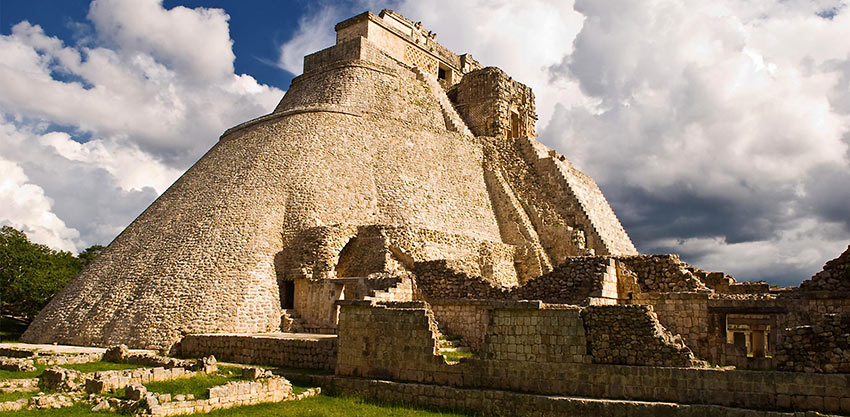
(718, 130)
(103, 126)
(314, 33)
(27, 208)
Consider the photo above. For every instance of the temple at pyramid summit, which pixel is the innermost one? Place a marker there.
(395, 204)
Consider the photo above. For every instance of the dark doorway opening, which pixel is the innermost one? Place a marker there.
(441, 74)
(287, 295)
(514, 125)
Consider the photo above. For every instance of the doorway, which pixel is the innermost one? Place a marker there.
(287, 295)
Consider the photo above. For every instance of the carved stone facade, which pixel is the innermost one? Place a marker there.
(493, 104)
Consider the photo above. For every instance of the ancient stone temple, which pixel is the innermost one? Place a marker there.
(397, 176)
(389, 151)
(395, 208)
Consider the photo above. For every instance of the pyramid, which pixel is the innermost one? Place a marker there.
(389, 150)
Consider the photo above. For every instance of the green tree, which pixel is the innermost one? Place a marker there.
(31, 274)
(89, 254)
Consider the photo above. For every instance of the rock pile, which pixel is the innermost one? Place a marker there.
(821, 347)
(835, 276)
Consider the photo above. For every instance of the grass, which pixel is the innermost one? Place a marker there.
(11, 329)
(320, 406)
(79, 410)
(456, 355)
(82, 367)
(12, 396)
(197, 385)
(100, 366)
(23, 375)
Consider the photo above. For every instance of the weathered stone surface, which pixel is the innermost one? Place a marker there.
(353, 142)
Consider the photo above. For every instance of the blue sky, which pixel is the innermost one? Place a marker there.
(719, 130)
(257, 28)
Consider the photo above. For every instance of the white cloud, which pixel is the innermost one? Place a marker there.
(713, 124)
(26, 208)
(314, 33)
(104, 126)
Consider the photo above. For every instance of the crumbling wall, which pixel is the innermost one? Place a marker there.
(663, 273)
(574, 282)
(403, 348)
(823, 346)
(834, 277)
(632, 335)
(685, 314)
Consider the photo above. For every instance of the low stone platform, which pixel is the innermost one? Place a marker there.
(62, 349)
(507, 403)
(294, 350)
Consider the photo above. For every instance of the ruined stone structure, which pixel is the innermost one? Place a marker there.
(364, 169)
(397, 206)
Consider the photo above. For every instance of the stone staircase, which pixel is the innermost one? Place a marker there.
(291, 322)
(453, 121)
(403, 291)
(595, 209)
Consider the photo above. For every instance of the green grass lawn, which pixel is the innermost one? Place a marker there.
(82, 367)
(23, 375)
(10, 329)
(12, 396)
(100, 366)
(319, 406)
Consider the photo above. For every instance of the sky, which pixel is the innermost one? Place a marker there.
(717, 130)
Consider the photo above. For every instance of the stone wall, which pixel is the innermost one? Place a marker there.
(663, 273)
(823, 346)
(573, 282)
(467, 319)
(232, 394)
(400, 344)
(357, 48)
(529, 332)
(631, 335)
(105, 381)
(487, 99)
(513, 404)
(685, 314)
(294, 351)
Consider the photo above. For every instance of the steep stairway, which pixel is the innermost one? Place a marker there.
(453, 121)
(595, 210)
(403, 291)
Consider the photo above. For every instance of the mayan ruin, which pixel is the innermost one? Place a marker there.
(395, 228)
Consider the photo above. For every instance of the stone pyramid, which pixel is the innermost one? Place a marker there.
(387, 151)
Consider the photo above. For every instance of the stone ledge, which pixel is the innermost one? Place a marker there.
(497, 402)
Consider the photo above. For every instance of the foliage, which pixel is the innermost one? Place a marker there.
(85, 257)
(11, 329)
(31, 274)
